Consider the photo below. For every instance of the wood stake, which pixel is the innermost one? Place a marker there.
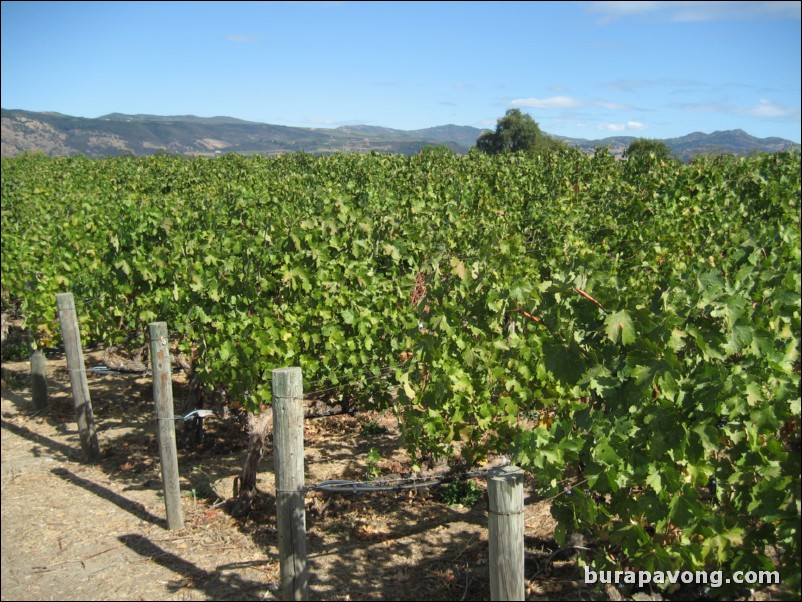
(77, 369)
(288, 452)
(163, 396)
(506, 531)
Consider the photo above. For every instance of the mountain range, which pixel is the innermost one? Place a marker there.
(56, 134)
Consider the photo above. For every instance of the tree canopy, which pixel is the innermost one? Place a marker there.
(643, 148)
(516, 131)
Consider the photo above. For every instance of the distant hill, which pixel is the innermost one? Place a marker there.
(56, 134)
(461, 135)
(142, 118)
(736, 142)
(117, 134)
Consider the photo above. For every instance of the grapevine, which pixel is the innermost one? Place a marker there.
(634, 330)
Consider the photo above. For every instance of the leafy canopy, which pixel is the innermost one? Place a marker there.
(594, 319)
(516, 131)
(643, 148)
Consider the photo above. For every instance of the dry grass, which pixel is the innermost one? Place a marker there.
(76, 531)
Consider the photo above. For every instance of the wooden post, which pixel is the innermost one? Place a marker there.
(288, 451)
(163, 396)
(506, 531)
(77, 369)
(39, 380)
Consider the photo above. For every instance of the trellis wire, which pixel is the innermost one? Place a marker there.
(399, 484)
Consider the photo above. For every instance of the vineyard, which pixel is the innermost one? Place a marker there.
(626, 331)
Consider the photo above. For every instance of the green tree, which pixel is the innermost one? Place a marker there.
(643, 148)
(516, 131)
(647, 159)
(436, 150)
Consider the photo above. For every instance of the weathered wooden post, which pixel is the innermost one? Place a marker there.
(39, 380)
(288, 451)
(77, 369)
(163, 396)
(506, 532)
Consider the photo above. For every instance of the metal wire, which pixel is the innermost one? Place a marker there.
(342, 486)
(399, 484)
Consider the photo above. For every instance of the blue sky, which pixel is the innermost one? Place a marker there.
(581, 69)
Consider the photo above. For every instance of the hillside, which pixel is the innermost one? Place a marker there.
(56, 134)
(736, 142)
(116, 134)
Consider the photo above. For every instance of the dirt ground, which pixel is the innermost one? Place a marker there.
(78, 531)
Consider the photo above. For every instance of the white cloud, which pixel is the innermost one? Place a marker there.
(635, 126)
(702, 107)
(613, 127)
(555, 102)
(766, 109)
(697, 11)
(633, 85)
(612, 106)
(614, 10)
(567, 102)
